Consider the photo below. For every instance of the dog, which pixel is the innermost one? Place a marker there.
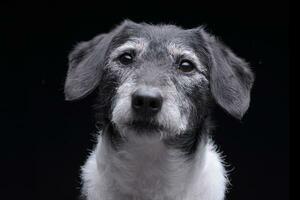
(156, 88)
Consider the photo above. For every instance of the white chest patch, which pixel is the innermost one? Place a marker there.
(145, 169)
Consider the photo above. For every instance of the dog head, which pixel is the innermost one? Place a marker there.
(158, 77)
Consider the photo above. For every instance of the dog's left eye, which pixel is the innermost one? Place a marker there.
(186, 66)
(126, 58)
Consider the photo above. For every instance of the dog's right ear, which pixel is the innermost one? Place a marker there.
(84, 70)
(86, 63)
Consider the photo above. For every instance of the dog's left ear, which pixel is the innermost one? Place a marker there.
(231, 79)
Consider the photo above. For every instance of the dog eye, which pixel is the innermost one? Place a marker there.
(186, 66)
(126, 58)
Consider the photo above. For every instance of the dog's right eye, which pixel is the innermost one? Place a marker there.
(126, 58)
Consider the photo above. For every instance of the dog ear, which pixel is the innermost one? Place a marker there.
(86, 64)
(231, 79)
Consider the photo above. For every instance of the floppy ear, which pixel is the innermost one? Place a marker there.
(86, 63)
(231, 79)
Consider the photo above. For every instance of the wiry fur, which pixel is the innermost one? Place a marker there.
(169, 156)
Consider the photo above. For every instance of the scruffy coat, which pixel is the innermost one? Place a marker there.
(169, 156)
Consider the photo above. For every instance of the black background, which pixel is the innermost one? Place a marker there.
(45, 140)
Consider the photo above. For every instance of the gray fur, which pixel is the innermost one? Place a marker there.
(231, 78)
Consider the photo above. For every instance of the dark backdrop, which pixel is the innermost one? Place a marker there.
(45, 140)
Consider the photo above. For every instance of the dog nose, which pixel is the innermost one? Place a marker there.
(147, 101)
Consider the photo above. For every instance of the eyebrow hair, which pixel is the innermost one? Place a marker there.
(176, 50)
(139, 44)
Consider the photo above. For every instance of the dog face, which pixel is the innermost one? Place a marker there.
(158, 78)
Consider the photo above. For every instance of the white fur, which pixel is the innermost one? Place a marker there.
(145, 169)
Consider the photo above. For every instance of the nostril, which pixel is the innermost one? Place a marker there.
(138, 102)
(154, 104)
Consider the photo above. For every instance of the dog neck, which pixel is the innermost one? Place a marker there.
(147, 168)
(146, 165)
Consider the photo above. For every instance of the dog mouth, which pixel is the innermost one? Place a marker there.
(145, 125)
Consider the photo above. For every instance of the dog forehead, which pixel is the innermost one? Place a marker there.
(157, 36)
(162, 32)
(162, 35)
